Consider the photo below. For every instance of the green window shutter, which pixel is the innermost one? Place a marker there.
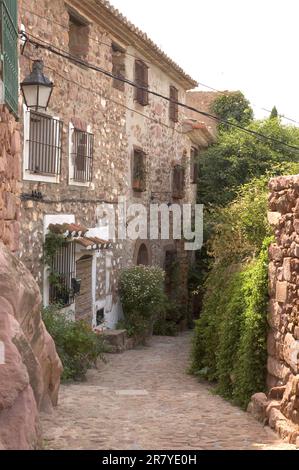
(9, 44)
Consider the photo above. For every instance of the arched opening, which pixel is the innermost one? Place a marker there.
(83, 310)
(142, 257)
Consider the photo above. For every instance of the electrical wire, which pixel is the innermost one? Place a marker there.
(96, 40)
(66, 55)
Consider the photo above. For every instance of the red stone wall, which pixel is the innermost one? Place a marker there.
(9, 178)
(281, 407)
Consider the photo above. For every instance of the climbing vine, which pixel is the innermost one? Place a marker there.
(52, 244)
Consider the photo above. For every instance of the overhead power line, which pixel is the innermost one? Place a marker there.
(29, 38)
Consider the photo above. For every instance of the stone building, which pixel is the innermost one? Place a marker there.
(29, 366)
(100, 140)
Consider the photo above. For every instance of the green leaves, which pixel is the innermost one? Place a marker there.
(142, 296)
(238, 157)
(78, 346)
(230, 337)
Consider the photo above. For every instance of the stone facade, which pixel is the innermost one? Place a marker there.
(87, 99)
(9, 179)
(282, 406)
(203, 101)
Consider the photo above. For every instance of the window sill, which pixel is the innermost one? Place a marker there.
(28, 176)
(78, 183)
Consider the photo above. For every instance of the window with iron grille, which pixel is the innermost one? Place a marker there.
(82, 155)
(141, 80)
(178, 182)
(173, 106)
(9, 45)
(194, 165)
(139, 171)
(118, 66)
(44, 150)
(63, 270)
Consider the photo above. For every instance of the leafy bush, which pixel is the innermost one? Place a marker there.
(168, 323)
(143, 298)
(242, 224)
(78, 346)
(229, 344)
(238, 157)
(234, 107)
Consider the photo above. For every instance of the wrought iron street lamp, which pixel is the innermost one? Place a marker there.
(37, 88)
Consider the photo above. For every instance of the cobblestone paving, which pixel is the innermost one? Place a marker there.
(143, 399)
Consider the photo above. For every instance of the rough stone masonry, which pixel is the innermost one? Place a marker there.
(281, 407)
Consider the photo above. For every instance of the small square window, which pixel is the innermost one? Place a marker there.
(178, 182)
(141, 80)
(139, 171)
(78, 36)
(118, 67)
(173, 106)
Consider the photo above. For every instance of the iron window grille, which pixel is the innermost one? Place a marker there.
(45, 146)
(141, 80)
(9, 45)
(173, 106)
(82, 155)
(63, 271)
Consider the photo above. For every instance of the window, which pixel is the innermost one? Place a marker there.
(139, 173)
(194, 165)
(78, 36)
(118, 66)
(173, 106)
(141, 80)
(178, 182)
(9, 43)
(142, 257)
(81, 155)
(62, 272)
(44, 144)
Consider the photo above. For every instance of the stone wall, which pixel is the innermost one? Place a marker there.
(9, 179)
(203, 100)
(281, 407)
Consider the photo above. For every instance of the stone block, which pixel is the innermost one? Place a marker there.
(281, 291)
(287, 272)
(10, 206)
(277, 369)
(275, 252)
(291, 351)
(257, 407)
(273, 218)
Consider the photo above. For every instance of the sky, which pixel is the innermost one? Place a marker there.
(252, 46)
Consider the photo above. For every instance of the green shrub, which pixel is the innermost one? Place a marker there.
(142, 297)
(229, 344)
(78, 346)
(250, 365)
(168, 323)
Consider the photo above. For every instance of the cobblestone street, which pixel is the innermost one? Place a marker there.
(143, 399)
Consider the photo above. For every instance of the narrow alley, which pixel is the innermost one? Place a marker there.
(144, 399)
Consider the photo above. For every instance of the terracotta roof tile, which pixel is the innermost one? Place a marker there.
(144, 37)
